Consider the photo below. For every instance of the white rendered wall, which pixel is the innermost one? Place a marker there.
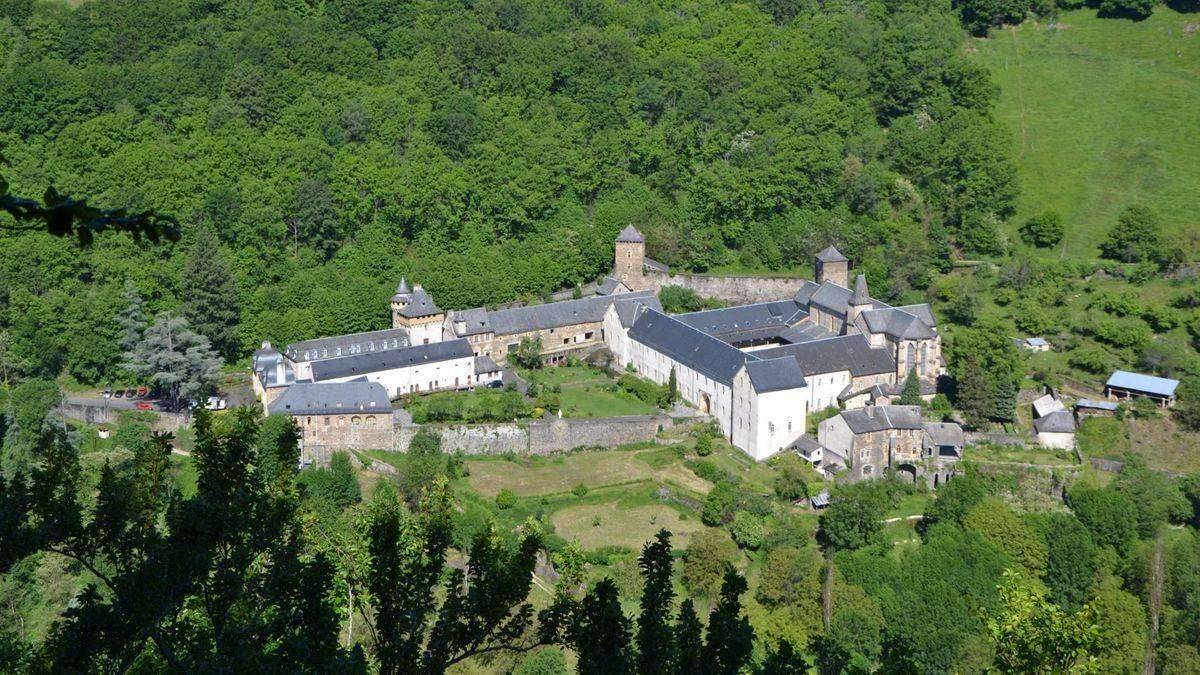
(1059, 441)
(823, 389)
(425, 333)
(442, 375)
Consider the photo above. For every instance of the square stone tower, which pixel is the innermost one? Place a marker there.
(629, 258)
(830, 265)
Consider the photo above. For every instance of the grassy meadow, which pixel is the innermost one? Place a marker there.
(1103, 113)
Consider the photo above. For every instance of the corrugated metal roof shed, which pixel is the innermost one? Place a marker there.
(1137, 382)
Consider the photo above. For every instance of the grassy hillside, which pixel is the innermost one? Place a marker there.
(1103, 114)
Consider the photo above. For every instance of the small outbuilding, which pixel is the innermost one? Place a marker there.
(1034, 344)
(1086, 407)
(1056, 430)
(1123, 385)
(1048, 403)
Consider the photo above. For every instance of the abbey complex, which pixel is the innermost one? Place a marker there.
(758, 369)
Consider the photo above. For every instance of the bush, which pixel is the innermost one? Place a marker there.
(791, 482)
(506, 499)
(748, 530)
(1091, 359)
(579, 490)
(1043, 231)
(708, 554)
(704, 445)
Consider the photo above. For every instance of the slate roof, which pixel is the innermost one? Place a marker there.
(272, 369)
(474, 321)
(803, 296)
(861, 296)
(922, 311)
(630, 235)
(420, 305)
(1036, 342)
(347, 345)
(775, 375)
(1058, 422)
(897, 323)
(1147, 384)
(627, 307)
(764, 320)
(805, 331)
(805, 444)
(332, 398)
(556, 314)
(402, 289)
(945, 433)
(832, 297)
(362, 364)
(654, 265)
(883, 417)
(831, 254)
(830, 355)
(608, 286)
(693, 348)
(485, 364)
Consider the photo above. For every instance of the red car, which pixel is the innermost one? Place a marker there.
(144, 405)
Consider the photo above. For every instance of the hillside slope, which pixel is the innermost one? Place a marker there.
(1103, 113)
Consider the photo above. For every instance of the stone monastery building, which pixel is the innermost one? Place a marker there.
(758, 369)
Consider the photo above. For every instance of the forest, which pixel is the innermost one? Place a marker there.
(490, 151)
(269, 170)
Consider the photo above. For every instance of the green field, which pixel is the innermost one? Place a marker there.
(1103, 113)
(588, 392)
(594, 469)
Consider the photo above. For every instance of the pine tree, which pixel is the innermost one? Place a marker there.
(1004, 400)
(211, 306)
(672, 387)
(689, 644)
(175, 359)
(974, 393)
(911, 394)
(132, 319)
(730, 637)
(601, 633)
(655, 649)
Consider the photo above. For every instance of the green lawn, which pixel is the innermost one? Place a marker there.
(588, 392)
(1103, 114)
(594, 469)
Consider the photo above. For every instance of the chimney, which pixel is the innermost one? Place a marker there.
(870, 408)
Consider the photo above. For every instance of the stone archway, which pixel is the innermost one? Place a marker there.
(908, 471)
(705, 404)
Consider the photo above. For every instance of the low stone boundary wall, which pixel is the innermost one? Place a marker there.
(537, 437)
(96, 412)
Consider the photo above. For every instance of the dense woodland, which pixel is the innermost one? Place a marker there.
(311, 153)
(489, 151)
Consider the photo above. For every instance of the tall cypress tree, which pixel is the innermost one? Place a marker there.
(911, 394)
(689, 643)
(974, 393)
(730, 637)
(654, 639)
(210, 294)
(132, 319)
(601, 633)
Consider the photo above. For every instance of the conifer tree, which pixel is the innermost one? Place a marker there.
(1004, 400)
(210, 292)
(672, 388)
(177, 360)
(601, 633)
(730, 637)
(132, 319)
(689, 643)
(654, 639)
(911, 394)
(974, 393)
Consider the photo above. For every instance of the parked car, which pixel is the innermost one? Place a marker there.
(145, 405)
(215, 403)
(120, 393)
(143, 392)
(496, 384)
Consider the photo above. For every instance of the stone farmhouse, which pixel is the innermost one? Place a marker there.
(759, 369)
(865, 442)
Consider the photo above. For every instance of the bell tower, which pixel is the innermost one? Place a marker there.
(629, 258)
(830, 265)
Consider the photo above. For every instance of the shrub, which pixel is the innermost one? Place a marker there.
(1043, 231)
(748, 530)
(506, 499)
(708, 554)
(579, 490)
(1091, 359)
(704, 445)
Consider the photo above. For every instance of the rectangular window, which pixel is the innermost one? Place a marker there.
(587, 335)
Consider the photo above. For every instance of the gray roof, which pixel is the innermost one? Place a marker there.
(627, 307)
(762, 320)
(1096, 405)
(945, 433)
(832, 297)
(693, 348)
(775, 375)
(273, 370)
(473, 321)
(1148, 384)
(607, 286)
(402, 289)
(804, 332)
(485, 364)
(922, 311)
(630, 235)
(861, 296)
(830, 355)
(347, 345)
(820, 500)
(391, 360)
(806, 444)
(1047, 404)
(831, 254)
(420, 304)
(654, 265)
(897, 323)
(1058, 422)
(1036, 342)
(517, 320)
(332, 398)
(804, 294)
(883, 417)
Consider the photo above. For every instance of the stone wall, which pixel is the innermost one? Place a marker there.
(96, 412)
(537, 437)
(731, 288)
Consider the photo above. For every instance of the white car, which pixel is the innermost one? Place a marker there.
(215, 403)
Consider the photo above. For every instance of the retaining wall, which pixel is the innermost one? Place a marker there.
(732, 288)
(99, 413)
(537, 437)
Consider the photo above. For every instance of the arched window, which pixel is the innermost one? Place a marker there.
(912, 356)
(867, 470)
(925, 365)
(356, 420)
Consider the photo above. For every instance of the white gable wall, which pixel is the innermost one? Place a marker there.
(421, 378)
